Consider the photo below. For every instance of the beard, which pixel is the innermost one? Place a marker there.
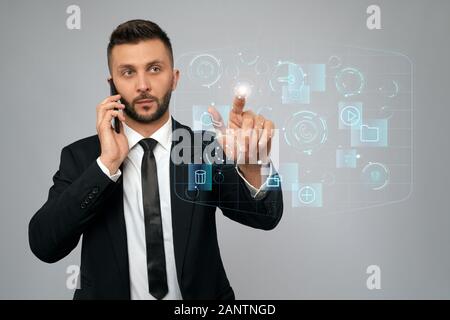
(161, 107)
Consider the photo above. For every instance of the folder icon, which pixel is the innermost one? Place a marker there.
(369, 134)
(273, 182)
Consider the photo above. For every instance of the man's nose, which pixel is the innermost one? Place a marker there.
(143, 85)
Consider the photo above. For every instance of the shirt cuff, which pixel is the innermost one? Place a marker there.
(257, 194)
(113, 177)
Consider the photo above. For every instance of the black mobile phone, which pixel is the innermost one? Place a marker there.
(113, 93)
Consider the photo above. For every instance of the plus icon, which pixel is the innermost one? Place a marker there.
(307, 195)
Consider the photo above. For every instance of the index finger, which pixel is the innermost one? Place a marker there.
(111, 98)
(238, 105)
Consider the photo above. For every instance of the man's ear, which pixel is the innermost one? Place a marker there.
(176, 77)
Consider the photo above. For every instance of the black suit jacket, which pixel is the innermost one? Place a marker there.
(84, 201)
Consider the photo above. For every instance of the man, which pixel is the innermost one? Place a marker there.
(146, 234)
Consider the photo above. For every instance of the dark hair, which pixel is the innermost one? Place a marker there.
(134, 31)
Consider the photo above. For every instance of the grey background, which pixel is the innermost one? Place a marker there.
(52, 78)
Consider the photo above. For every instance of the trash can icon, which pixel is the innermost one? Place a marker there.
(200, 176)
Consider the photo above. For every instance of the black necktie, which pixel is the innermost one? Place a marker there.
(156, 261)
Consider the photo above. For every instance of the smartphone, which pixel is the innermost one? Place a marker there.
(113, 93)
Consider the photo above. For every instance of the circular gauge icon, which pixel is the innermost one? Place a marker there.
(219, 177)
(389, 89)
(248, 56)
(306, 131)
(205, 70)
(287, 74)
(349, 82)
(192, 194)
(375, 175)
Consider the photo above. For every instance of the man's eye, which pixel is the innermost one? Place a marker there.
(127, 73)
(155, 69)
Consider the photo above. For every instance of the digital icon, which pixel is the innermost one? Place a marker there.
(307, 195)
(375, 175)
(219, 177)
(349, 115)
(296, 82)
(289, 79)
(248, 56)
(292, 95)
(334, 62)
(389, 89)
(295, 76)
(369, 134)
(372, 133)
(349, 82)
(371, 100)
(202, 119)
(346, 158)
(200, 176)
(207, 120)
(273, 182)
(306, 131)
(205, 70)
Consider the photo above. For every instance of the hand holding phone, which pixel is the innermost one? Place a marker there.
(113, 141)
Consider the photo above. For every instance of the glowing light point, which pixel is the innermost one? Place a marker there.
(242, 90)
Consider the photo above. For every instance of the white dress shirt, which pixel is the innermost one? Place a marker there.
(134, 212)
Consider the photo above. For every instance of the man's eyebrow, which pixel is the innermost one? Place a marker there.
(125, 66)
(157, 61)
(130, 66)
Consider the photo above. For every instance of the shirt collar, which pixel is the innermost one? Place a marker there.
(163, 135)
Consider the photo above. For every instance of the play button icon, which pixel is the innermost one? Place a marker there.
(350, 116)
